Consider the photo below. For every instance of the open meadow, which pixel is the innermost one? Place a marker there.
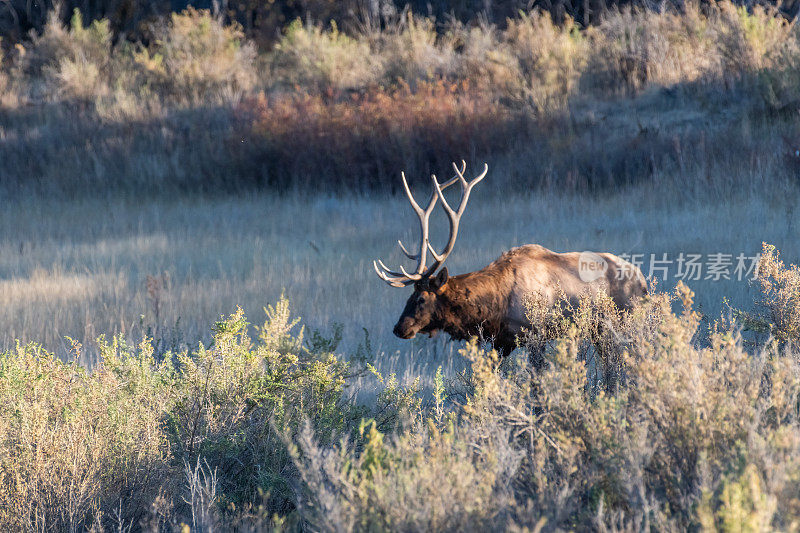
(193, 335)
(170, 268)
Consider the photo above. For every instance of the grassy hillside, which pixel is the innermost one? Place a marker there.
(636, 98)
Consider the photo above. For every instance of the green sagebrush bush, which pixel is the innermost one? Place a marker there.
(194, 57)
(252, 433)
(115, 445)
(198, 57)
(777, 310)
(701, 436)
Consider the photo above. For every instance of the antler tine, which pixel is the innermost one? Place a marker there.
(424, 220)
(424, 217)
(460, 173)
(414, 205)
(387, 269)
(454, 217)
(406, 252)
(436, 257)
(393, 281)
(413, 277)
(467, 186)
(410, 196)
(480, 176)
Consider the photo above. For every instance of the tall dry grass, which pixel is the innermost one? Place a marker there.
(300, 139)
(168, 268)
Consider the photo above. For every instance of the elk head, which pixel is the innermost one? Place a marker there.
(423, 311)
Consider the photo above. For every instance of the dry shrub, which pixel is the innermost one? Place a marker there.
(603, 332)
(69, 63)
(143, 439)
(722, 46)
(778, 85)
(3, 75)
(412, 50)
(363, 139)
(689, 429)
(505, 99)
(74, 445)
(199, 58)
(777, 311)
(313, 58)
(428, 477)
(701, 436)
(485, 59)
(533, 61)
(255, 434)
(760, 51)
(750, 40)
(194, 58)
(632, 50)
(550, 59)
(504, 92)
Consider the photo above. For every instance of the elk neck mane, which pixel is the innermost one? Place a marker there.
(476, 302)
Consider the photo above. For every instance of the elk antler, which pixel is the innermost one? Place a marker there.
(403, 278)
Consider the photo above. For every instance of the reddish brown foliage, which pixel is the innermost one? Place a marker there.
(363, 138)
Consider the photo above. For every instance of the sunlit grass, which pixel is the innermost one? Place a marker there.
(81, 269)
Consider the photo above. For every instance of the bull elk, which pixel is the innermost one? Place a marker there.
(490, 302)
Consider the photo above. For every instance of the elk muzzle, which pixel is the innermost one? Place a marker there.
(406, 328)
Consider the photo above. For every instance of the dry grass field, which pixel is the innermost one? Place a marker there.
(80, 269)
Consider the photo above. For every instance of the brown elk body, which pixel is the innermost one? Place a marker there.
(491, 303)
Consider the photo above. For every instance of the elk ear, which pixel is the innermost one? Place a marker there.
(439, 280)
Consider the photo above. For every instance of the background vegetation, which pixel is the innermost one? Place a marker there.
(263, 21)
(160, 169)
(198, 109)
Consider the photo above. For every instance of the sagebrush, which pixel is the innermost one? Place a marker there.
(261, 433)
